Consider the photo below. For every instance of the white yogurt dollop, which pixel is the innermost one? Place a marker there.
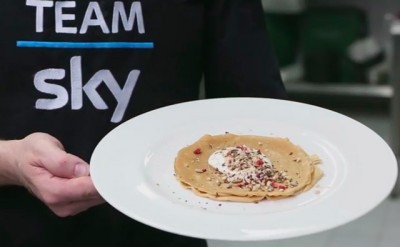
(240, 163)
(218, 160)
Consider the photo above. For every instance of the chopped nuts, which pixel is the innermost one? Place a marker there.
(297, 160)
(256, 187)
(249, 169)
(199, 170)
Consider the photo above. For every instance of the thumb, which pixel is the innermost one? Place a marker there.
(65, 165)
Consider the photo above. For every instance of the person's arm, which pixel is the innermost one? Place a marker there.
(239, 58)
(7, 163)
(40, 164)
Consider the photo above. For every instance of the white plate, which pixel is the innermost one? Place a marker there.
(132, 168)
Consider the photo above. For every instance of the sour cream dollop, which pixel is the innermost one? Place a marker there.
(241, 164)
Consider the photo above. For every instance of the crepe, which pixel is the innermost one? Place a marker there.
(253, 168)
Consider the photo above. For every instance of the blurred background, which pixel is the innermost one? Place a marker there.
(343, 45)
(343, 55)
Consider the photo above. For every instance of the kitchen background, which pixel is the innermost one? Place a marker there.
(343, 55)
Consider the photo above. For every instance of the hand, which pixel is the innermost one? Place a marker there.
(59, 179)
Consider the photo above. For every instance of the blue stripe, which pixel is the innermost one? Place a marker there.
(86, 45)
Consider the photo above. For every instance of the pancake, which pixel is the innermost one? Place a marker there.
(246, 168)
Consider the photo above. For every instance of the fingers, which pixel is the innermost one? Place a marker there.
(74, 208)
(78, 189)
(48, 152)
(57, 190)
(65, 165)
(68, 197)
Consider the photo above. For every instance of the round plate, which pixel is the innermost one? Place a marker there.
(133, 169)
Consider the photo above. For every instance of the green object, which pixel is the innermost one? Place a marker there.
(326, 34)
(284, 34)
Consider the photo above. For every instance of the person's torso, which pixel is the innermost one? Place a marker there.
(76, 69)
